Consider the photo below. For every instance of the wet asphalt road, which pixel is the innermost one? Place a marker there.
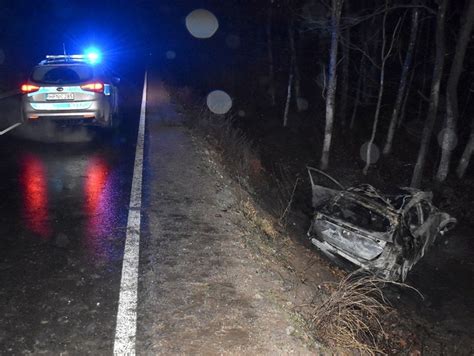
(63, 216)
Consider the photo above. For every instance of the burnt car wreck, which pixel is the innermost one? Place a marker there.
(384, 234)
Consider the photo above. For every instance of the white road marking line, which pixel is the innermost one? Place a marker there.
(125, 331)
(10, 128)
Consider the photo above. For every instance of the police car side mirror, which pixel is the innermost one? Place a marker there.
(115, 81)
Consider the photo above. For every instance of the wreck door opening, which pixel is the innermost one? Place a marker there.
(323, 186)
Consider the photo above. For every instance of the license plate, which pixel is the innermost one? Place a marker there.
(60, 96)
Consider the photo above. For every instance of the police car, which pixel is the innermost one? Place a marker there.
(69, 90)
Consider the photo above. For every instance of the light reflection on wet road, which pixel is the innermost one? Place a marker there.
(88, 183)
(63, 215)
(34, 195)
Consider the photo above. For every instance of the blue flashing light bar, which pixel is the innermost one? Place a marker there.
(93, 55)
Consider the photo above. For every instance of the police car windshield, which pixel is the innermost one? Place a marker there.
(62, 74)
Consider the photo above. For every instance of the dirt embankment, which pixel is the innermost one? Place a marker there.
(209, 284)
(282, 245)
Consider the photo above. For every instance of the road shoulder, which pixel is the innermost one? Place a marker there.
(201, 288)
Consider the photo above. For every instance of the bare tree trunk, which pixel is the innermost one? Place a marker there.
(452, 110)
(291, 73)
(421, 100)
(401, 118)
(357, 98)
(271, 66)
(422, 90)
(297, 86)
(296, 71)
(370, 71)
(336, 9)
(434, 96)
(466, 156)
(403, 82)
(288, 96)
(345, 72)
(384, 56)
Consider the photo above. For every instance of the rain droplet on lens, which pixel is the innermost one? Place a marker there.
(219, 102)
(449, 142)
(374, 153)
(202, 23)
(241, 113)
(302, 104)
(170, 54)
